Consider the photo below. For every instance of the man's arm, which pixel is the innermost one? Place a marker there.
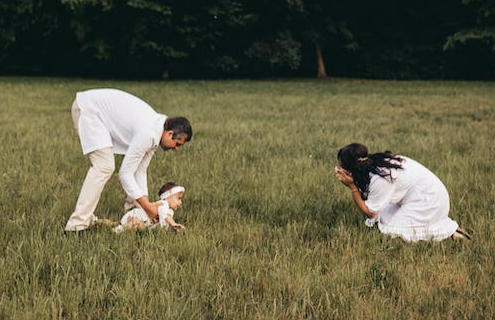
(141, 175)
(133, 170)
(150, 207)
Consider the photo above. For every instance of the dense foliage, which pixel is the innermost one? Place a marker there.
(255, 38)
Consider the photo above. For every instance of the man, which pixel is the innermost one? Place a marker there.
(109, 122)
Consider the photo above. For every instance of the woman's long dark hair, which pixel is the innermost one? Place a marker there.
(355, 158)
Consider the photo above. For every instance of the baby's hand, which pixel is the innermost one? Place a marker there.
(178, 227)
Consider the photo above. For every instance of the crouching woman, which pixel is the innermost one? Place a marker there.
(405, 198)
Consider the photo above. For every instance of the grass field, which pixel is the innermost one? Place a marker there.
(271, 233)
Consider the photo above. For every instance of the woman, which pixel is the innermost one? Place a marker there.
(404, 197)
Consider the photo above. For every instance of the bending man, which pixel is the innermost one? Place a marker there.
(109, 122)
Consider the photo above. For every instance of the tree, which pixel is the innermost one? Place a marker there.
(29, 32)
(483, 31)
(477, 40)
(321, 25)
(285, 29)
(249, 38)
(401, 39)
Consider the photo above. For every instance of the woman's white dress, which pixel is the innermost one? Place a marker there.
(414, 205)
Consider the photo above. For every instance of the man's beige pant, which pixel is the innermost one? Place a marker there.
(102, 167)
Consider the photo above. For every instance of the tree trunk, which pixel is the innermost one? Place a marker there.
(322, 73)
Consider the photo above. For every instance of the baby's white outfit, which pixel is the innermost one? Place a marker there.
(163, 211)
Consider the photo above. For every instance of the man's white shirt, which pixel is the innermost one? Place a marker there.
(117, 119)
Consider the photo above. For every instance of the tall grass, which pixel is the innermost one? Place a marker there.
(271, 233)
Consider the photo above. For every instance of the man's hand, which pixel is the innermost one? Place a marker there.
(151, 209)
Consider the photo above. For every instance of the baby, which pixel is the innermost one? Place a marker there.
(170, 199)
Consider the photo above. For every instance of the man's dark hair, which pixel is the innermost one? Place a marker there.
(180, 126)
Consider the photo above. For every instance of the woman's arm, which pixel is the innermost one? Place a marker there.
(346, 178)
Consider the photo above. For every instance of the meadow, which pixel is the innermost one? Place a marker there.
(271, 234)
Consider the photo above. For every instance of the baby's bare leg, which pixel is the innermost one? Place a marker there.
(106, 223)
(134, 223)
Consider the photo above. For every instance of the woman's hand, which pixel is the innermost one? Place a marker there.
(345, 177)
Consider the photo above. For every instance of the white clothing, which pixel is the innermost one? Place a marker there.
(117, 119)
(102, 167)
(414, 205)
(163, 212)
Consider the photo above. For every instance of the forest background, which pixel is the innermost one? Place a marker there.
(387, 39)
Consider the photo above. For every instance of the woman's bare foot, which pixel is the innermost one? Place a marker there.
(461, 234)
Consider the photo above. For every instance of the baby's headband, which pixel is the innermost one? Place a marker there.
(172, 191)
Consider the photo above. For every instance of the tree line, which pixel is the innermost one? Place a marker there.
(387, 39)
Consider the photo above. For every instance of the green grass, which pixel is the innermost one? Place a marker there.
(271, 233)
